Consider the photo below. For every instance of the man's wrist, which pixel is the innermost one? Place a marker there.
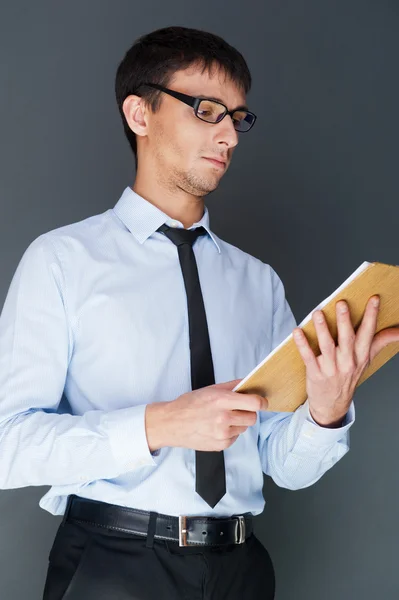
(329, 421)
(156, 425)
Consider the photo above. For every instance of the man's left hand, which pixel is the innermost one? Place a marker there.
(331, 377)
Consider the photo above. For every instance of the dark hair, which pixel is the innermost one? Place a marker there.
(155, 58)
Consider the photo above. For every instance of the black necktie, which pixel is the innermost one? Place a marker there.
(210, 476)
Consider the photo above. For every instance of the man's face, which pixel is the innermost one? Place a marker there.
(181, 143)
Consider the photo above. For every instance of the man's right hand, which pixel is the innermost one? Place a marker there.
(210, 418)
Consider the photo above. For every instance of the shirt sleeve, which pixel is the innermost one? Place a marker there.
(38, 445)
(294, 450)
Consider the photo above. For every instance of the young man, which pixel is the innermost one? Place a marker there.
(113, 334)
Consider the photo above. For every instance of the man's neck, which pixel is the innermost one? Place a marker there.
(178, 205)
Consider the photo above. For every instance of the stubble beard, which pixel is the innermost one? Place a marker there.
(194, 184)
(190, 181)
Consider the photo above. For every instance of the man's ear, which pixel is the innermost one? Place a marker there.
(135, 112)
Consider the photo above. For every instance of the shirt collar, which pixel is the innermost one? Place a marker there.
(143, 218)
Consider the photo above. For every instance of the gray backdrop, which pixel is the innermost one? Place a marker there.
(312, 190)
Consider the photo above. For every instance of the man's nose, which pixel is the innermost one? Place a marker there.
(227, 133)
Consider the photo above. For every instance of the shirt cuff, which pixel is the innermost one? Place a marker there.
(127, 437)
(322, 436)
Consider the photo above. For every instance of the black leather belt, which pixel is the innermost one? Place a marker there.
(187, 530)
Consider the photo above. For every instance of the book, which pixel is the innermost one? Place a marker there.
(281, 376)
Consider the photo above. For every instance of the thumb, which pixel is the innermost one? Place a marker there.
(382, 339)
(226, 385)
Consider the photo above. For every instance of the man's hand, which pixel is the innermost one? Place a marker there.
(331, 377)
(210, 418)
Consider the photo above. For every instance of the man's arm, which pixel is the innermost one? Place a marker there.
(37, 445)
(295, 450)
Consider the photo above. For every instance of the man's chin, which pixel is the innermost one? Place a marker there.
(210, 188)
(202, 186)
(212, 183)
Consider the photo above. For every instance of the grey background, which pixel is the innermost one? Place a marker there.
(312, 190)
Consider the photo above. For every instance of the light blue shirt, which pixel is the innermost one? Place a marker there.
(95, 326)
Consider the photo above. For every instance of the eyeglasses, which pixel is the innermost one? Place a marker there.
(212, 111)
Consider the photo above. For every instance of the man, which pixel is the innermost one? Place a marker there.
(113, 334)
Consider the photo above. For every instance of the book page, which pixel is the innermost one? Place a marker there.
(361, 268)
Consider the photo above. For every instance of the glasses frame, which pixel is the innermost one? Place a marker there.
(194, 102)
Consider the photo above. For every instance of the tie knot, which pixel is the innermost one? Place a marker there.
(181, 236)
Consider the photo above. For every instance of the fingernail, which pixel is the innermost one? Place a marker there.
(376, 301)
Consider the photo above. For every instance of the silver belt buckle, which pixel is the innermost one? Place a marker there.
(183, 531)
(240, 532)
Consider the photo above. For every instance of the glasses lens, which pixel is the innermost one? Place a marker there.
(243, 120)
(210, 111)
(213, 112)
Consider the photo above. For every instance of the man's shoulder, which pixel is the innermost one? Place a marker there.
(83, 229)
(240, 257)
(83, 234)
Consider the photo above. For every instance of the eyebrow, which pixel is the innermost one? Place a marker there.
(241, 107)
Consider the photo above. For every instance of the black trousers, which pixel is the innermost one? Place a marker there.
(87, 562)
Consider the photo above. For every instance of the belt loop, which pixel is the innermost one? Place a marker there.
(68, 506)
(151, 529)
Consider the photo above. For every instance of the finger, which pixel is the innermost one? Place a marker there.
(242, 418)
(226, 385)
(326, 342)
(307, 354)
(244, 401)
(366, 331)
(346, 334)
(237, 430)
(382, 339)
(228, 432)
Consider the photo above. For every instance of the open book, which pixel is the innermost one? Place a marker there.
(281, 376)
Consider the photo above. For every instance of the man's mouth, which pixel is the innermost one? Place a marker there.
(217, 163)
